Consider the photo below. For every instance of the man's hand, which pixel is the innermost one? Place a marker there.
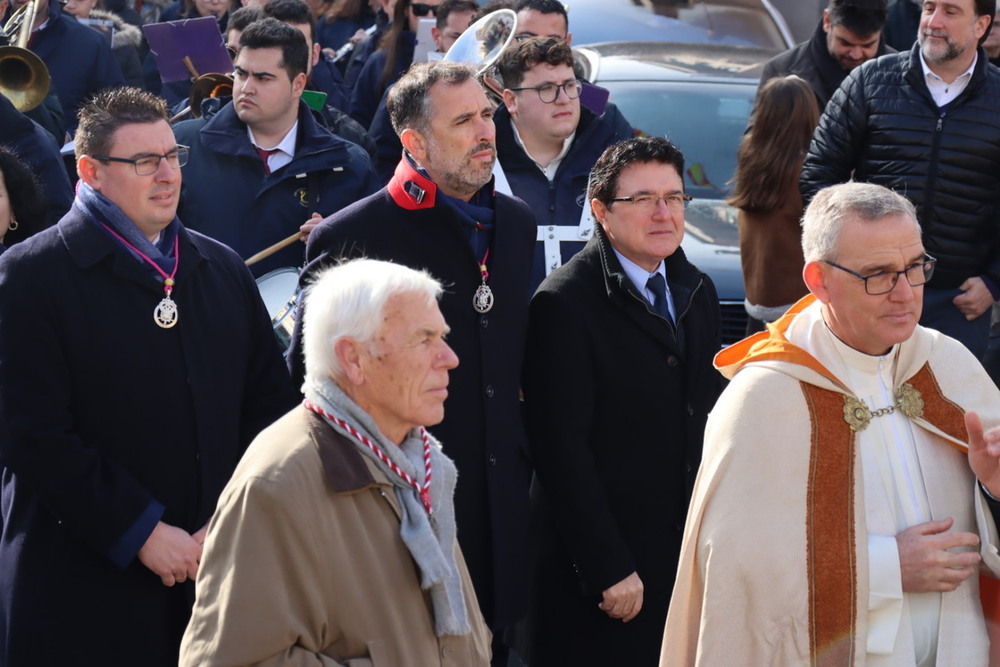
(171, 554)
(984, 453)
(624, 599)
(925, 562)
(308, 226)
(975, 298)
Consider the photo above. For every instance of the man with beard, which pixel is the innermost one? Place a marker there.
(924, 123)
(849, 35)
(262, 164)
(440, 213)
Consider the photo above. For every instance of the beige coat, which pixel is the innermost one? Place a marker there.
(773, 566)
(304, 565)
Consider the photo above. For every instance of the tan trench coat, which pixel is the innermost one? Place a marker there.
(304, 565)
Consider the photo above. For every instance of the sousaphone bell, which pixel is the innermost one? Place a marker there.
(24, 79)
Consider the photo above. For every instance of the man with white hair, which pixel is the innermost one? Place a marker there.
(843, 505)
(335, 538)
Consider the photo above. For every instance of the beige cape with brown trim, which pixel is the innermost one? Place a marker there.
(773, 568)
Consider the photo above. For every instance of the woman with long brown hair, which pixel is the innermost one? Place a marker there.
(766, 193)
(394, 56)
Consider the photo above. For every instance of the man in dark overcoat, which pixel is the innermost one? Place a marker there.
(136, 364)
(440, 213)
(618, 385)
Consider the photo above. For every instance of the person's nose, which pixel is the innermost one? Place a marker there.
(562, 97)
(487, 131)
(165, 173)
(447, 357)
(903, 290)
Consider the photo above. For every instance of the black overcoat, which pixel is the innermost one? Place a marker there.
(483, 428)
(103, 412)
(616, 415)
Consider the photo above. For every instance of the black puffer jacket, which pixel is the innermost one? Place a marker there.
(883, 125)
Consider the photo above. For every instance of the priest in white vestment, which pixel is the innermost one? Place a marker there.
(844, 509)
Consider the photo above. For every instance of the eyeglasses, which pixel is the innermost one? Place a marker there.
(549, 92)
(675, 201)
(884, 282)
(525, 36)
(149, 164)
(423, 9)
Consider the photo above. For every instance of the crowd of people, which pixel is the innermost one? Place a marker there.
(485, 444)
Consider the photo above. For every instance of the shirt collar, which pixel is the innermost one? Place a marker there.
(638, 275)
(550, 169)
(930, 75)
(286, 145)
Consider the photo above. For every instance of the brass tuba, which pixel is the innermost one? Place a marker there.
(24, 79)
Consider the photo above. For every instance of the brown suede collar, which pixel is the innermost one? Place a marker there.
(345, 467)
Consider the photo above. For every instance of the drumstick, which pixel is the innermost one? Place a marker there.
(270, 250)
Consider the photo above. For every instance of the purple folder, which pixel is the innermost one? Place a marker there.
(198, 40)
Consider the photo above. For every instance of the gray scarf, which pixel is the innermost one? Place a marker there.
(430, 540)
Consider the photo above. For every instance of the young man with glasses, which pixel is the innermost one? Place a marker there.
(547, 143)
(618, 382)
(844, 506)
(137, 363)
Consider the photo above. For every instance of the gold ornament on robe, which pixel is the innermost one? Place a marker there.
(858, 415)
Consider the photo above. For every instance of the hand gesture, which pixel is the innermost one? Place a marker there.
(926, 562)
(975, 298)
(624, 599)
(308, 226)
(984, 453)
(171, 554)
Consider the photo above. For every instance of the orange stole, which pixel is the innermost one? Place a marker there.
(832, 566)
(830, 535)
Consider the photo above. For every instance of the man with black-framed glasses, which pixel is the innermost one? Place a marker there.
(546, 144)
(846, 499)
(138, 362)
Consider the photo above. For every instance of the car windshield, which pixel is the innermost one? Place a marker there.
(705, 120)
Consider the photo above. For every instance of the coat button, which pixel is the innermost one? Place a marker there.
(484, 321)
(489, 391)
(492, 460)
(672, 361)
(690, 410)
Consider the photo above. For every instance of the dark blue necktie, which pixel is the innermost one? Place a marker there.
(658, 286)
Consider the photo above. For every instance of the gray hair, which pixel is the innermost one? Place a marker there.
(348, 301)
(409, 100)
(833, 206)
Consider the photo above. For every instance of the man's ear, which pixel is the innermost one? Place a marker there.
(599, 209)
(317, 50)
(414, 143)
(87, 168)
(348, 353)
(299, 84)
(814, 275)
(510, 101)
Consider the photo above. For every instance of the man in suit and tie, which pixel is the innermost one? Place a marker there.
(618, 382)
